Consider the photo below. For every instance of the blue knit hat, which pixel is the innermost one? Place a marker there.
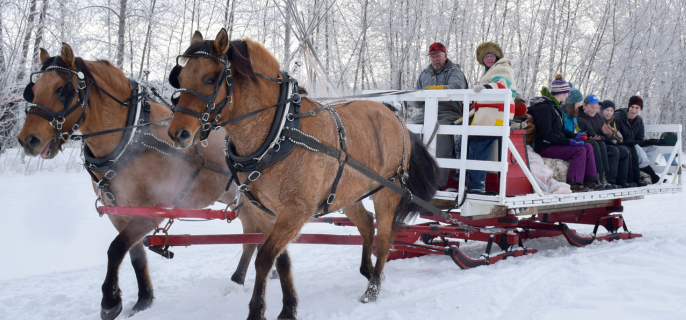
(559, 85)
(574, 95)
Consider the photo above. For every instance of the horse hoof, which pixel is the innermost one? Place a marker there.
(371, 294)
(238, 278)
(142, 304)
(110, 314)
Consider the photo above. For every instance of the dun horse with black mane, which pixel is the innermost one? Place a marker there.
(96, 97)
(295, 157)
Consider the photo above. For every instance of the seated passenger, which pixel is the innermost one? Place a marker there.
(552, 140)
(441, 74)
(570, 110)
(498, 74)
(630, 124)
(608, 111)
(614, 160)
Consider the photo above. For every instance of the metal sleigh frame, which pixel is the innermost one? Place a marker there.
(495, 219)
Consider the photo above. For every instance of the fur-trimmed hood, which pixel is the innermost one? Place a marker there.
(486, 48)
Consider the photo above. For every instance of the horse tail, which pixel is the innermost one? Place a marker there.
(424, 176)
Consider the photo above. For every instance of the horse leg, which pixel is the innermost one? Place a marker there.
(290, 298)
(364, 221)
(253, 221)
(285, 229)
(385, 203)
(242, 268)
(140, 266)
(129, 235)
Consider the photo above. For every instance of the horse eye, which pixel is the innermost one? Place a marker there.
(209, 81)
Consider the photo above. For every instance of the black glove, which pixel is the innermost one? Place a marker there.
(650, 142)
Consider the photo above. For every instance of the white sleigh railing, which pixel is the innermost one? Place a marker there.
(433, 97)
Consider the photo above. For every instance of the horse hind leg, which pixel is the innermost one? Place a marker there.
(129, 235)
(364, 221)
(386, 202)
(242, 268)
(140, 266)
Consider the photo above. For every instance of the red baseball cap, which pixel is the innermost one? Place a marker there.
(436, 47)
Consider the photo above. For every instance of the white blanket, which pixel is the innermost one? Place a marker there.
(544, 176)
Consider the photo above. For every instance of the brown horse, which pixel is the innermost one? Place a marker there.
(295, 186)
(152, 178)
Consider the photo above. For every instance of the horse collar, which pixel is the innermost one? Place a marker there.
(289, 103)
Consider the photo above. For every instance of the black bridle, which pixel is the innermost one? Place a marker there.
(225, 77)
(67, 93)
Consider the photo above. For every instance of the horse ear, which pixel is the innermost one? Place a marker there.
(44, 55)
(221, 43)
(67, 56)
(197, 37)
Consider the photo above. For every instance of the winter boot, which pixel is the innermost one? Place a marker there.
(603, 181)
(653, 176)
(576, 187)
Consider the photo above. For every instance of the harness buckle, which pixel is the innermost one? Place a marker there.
(181, 197)
(206, 126)
(204, 143)
(312, 113)
(250, 177)
(109, 196)
(299, 98)
(57, 123)
(110, 174)
(290, 117)
(205, 117)
(255, 203)
(243, 188)
(331, 198)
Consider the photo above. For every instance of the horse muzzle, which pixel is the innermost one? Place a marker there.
(182, 138)
(32, 148)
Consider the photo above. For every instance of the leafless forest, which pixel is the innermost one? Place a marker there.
(613, 48)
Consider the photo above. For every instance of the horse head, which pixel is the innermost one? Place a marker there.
(58, 96)
(216, 81)
(53, 97)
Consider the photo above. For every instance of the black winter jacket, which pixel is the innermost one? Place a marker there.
(633, 134)
(592, 125)
(550, 129)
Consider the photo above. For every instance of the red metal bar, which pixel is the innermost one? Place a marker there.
(168, 212)
(449, 231)
(256, 238)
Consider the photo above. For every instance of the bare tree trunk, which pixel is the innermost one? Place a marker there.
(39, 36)
(233, 9)
(146, 44)
(120, 33)
(287, 40)
(361, 56)
(25, 43)
(3, 67)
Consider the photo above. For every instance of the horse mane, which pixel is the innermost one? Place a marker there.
(238, 53)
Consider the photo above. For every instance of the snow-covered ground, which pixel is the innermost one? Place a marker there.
(53, 252)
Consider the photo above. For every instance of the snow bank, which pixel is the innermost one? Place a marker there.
(53, 254)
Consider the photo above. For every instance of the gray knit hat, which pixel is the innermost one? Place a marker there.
(574, 95)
